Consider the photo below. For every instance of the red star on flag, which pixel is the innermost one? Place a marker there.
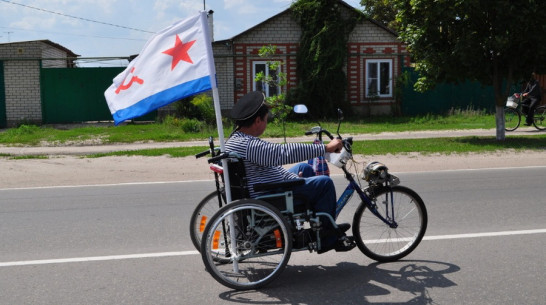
(179, 52)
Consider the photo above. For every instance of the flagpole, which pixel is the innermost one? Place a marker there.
(217, 108)
(220, 127)
(218, 112)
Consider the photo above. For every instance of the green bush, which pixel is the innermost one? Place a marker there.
(192, 125)
(187, 125)
(199, 107)
(24, 130)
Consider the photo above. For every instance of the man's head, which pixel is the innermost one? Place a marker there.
(251, 106)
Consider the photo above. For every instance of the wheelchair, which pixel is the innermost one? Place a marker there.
(248, 242)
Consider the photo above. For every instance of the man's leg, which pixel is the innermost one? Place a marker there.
(530, 114)
(321, 193)
(305, 169)
(525, 105)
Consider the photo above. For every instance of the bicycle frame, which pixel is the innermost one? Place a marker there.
(348, 193)
(519, 108)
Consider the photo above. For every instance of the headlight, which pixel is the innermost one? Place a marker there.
(375, 173)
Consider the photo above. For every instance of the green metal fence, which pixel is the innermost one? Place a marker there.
(77, 95)
(445, 97)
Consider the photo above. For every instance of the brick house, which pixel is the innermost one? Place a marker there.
(375, 59)
(20, 66)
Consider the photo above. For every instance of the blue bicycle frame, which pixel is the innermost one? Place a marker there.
(348, 193)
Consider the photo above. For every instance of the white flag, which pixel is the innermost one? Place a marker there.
(175, 63)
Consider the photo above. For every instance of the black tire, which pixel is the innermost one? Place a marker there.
(263, 244)
(539, 118)
(378, 240)
(512, 119)
(201, 215)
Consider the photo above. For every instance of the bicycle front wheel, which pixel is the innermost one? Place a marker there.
(539, 119)
(201, 216)
(384, 243)
(255, 240)
(512, 119)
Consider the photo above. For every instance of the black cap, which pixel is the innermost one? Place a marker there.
(247, 106)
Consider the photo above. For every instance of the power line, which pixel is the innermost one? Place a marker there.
(71, 34)
(80, 18)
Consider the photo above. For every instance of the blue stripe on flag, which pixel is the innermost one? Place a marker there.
(163, 98)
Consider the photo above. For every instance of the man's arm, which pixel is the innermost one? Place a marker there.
(272, 154)
(334, 146)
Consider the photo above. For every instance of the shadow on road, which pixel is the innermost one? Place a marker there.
(403, 282)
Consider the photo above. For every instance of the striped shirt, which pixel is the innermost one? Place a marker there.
(263, 160)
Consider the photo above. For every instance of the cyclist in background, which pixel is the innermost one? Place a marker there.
(532, 96)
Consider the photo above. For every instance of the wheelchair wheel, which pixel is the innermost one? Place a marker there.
(379, 241)
(539, 118)
(512, 119)
(202, 214)
(253, 238)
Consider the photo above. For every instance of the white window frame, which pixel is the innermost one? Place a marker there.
(368, 79)
(254, 83)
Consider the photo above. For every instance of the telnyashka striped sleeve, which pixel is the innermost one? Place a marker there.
(272, 154)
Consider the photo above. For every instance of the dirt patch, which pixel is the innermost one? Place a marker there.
(73, 170)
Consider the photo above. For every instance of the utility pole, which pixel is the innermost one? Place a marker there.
(12, 32)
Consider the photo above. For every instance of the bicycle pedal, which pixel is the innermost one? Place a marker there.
(347, 243)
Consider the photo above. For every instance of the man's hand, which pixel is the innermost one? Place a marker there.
(334, 146)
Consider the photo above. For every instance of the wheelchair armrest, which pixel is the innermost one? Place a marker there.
(287, 184)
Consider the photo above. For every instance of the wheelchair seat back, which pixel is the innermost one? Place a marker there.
(237, 179)
(279, 193)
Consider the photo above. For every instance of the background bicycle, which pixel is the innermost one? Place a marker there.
(514, 111)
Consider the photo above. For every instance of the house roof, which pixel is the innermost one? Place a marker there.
(356, 11)
(69, 53)
(60, 47)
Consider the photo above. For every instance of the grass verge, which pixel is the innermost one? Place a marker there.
(165, 132)
(381, 147)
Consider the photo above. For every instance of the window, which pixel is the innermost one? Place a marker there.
(378, 78)
(263, 67)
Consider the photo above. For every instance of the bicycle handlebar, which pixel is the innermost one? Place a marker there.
(202, 154)
(318, 130)
(219, 157)
(224, 155)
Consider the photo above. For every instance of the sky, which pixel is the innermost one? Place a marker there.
(95, 29)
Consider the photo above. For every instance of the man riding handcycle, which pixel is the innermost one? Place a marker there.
(247, 243)
(263, 164)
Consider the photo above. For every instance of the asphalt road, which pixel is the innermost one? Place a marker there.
(129, 244)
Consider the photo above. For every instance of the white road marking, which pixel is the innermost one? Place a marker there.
(98, 185)
(185, 253)
(96, 258)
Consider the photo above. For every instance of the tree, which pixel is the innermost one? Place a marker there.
(322, 54)
(493, 42)
(279, 108)
(382, 11)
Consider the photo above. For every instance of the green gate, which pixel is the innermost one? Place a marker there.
(445, 97)
(72, 95)
(3, 122)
